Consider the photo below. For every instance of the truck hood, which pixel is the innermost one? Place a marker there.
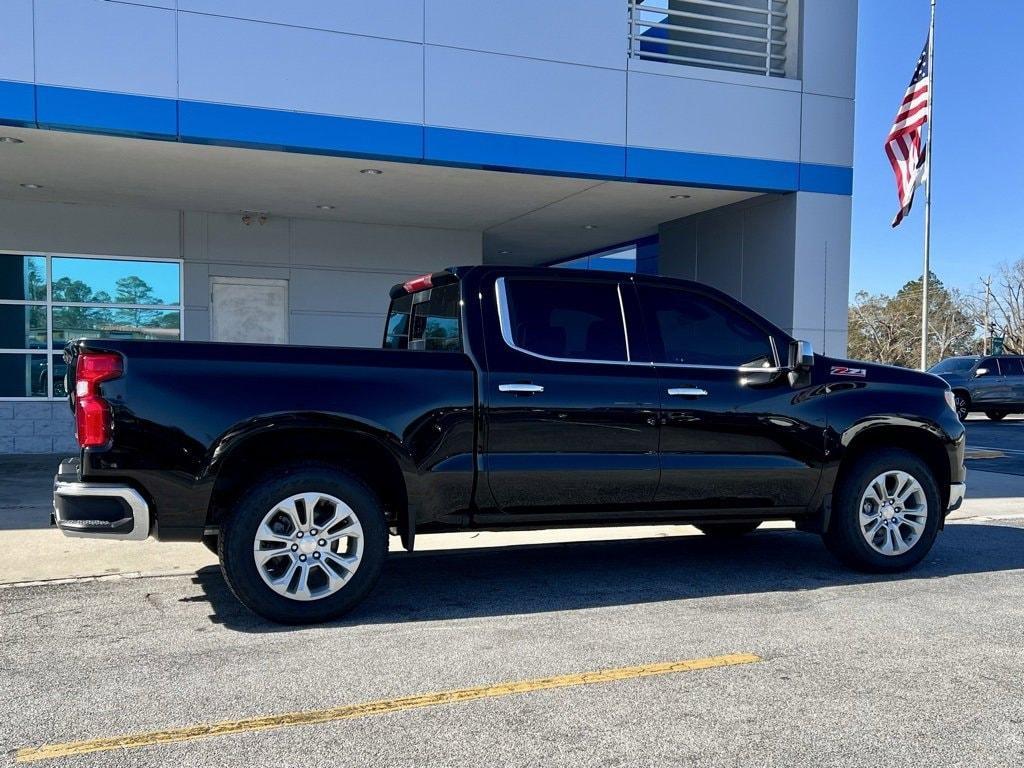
(955, 377)
(838, 368)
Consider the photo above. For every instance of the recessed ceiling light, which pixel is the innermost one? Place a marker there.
(326, 207)
(679, 197)
(32, 186)
(371, 171)
(590, 226)
(10, 140)
(504, 252)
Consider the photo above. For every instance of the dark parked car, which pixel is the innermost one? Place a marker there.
(503, 398)
(41, 373)
(993, 385)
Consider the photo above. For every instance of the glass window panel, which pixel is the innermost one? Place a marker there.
(689, 328)
(22, 277)
(114, 323)
(558, 318)
(23, 375)
(427, 320)
(1011, 366)
(439, 333)
(22, 326)
(58, 370)
(954, 365)
(434, 325)
(396, 331)
(115, 281)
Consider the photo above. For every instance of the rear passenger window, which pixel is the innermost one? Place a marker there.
(426, 320)
(991, 365)
(688, 328)
(1011, 366)
(576, 320)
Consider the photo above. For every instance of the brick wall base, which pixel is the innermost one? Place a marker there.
(35, 427)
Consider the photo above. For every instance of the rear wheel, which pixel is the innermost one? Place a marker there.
(726, 530)
(996, 415)
(885, 512)
(963, 404)
(305, 545)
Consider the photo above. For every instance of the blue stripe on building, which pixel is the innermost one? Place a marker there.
(17, 103)
(101, 112)
(104, 112)
(206, 123)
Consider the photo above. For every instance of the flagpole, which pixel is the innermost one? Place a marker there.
(928, 191)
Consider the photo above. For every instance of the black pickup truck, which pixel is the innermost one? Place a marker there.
(502, 398)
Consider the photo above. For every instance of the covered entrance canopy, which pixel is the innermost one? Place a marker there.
(524, 218)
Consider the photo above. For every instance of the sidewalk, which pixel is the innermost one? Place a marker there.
(37, 552)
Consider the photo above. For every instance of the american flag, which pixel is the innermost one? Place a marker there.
(903, 145)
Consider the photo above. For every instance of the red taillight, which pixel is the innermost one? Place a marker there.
(92, 414)
(420, 283)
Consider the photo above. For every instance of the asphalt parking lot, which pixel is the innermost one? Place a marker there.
(482, 657)
(1005, 438)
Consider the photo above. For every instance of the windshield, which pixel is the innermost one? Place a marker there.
(954, 365)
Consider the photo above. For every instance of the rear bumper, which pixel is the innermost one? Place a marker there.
(98, 510)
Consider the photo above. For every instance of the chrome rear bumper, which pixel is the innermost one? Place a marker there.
(99, 510)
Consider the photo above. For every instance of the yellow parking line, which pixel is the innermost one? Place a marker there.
(313, 717)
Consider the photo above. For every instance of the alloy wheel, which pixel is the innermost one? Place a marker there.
(893, 512)
(308, 546)
(961, 406)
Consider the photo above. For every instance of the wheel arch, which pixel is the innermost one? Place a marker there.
(258, 452)
(962, 390)
(920, 442)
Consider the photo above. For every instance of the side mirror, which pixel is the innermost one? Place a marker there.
(981, 372)
(801, 356)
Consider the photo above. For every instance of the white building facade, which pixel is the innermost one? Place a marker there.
(261, 170)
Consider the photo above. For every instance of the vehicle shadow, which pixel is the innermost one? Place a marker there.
(459, 584)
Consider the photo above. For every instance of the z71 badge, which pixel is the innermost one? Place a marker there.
(842, 370)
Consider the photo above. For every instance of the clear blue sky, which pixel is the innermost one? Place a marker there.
(978, 164)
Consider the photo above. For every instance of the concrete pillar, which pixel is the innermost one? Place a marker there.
(785, 256)
(821, 264)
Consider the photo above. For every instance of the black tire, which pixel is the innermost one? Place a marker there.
(996, 415)
(844, 537)
(726, 530)
(210, 542)
(238, 534)
(963, 403)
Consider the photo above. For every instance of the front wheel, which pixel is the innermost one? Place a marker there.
(885, 512)
(996, 415)
(305, 545)
(962, 401)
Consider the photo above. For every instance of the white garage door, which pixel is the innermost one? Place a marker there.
(251, 310)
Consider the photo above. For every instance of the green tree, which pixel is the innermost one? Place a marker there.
(72, 322)
(877, 330)
(36, 278)
(887, 329)
(134, 290)
(1005, 307)
(67, 289)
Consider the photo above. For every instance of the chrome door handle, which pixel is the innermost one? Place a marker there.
(522, 389)
(687, 391)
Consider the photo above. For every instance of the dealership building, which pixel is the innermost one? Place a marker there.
(258, 170)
